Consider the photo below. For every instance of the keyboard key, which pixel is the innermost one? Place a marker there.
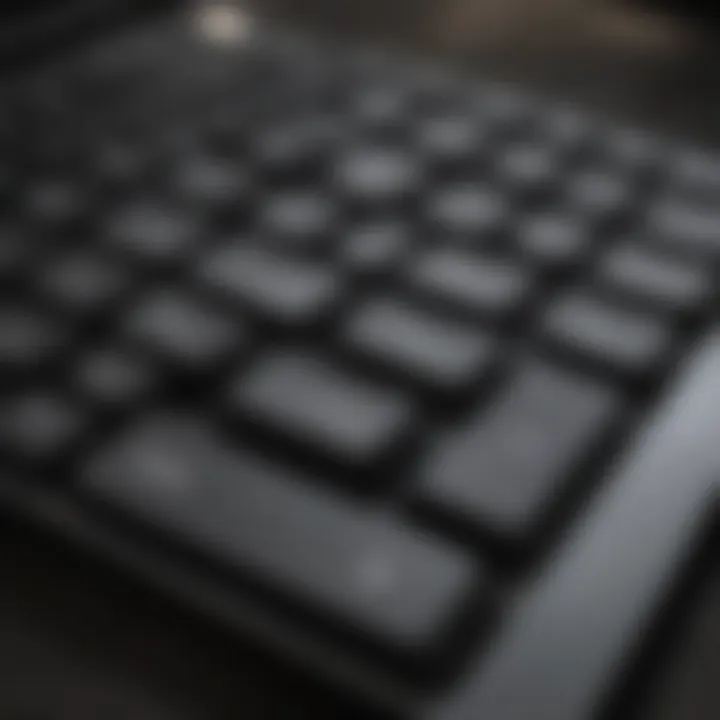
(385, 581)
(28, 340)
(210, 183)
(83, 283)
(468, 211)
(626, 341)
(183, 330)
(378, 176)
(40, 428)
(153, 234)
(114, 378)
(554, 240)
(285, 291)
(314, 404)
(474, 284)
(505, 471)
(685, 227)
(448, 140)
(54, 204)
(298, 219)
(529, 170)
(439, 354)
(604, 197)
(665, 282)
(375, 249)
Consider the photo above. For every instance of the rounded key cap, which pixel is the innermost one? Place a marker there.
(300, 219)
(468, 210)
(530, 171)
(210, 182)
(375, 249)
(378, 176)
(554, 240)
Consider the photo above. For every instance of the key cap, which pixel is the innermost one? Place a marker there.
(604, 197)
(468, 211)
(378, 176)
(505, 471)
(285, 291)
(628, 342)
(183, 330)
(529, 170)
(375, 249)
(554, 240)
(83, 283)
(388, 583)
(301, 220)
(211, 183)
(40, 428)
(314, 404)
(686, 227)
(153, 234)
(54, 204)
(478, 285)
(28, 340)
(439, 354)
(448, 140)
(114, 378)
(667, 283)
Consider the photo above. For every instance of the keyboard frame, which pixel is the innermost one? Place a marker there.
(515, 678)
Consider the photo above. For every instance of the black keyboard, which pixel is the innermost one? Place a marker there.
(363, 358)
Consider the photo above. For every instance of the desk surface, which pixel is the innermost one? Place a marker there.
(79, 645)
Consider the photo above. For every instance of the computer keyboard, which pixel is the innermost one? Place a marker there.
(353, 339)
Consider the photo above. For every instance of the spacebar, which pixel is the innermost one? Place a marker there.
(354, 570)
(582, 622)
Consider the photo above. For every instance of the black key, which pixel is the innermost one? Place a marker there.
(83, 283)
(554, 240)
(211, 183)
(288, 292)
(293, 149)
(504, 472)
(632, 150)
(299, 219)
(14, 253)
(40, 428)
(665, 282)
(439, 354)
(378, 176)
(54, 204)
(152, 233)
(118, 165)
(28, 340)
(626, 341)
(388, 583)
(449, 140)
(379, 106)
(375, 249)
(604, 197)
(529, 170)
(686, 227)
(184, 330)
(697, 174)
(114, 378)
(474, 284)
(469, 212)
(314, 404)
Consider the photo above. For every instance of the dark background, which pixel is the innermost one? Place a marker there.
(77, 642)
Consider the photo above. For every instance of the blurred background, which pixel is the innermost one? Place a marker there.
(81, 643)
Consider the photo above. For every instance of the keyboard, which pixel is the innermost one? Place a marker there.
(408, 377)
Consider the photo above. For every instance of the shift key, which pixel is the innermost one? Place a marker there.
(504, 471)
(382, 579)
